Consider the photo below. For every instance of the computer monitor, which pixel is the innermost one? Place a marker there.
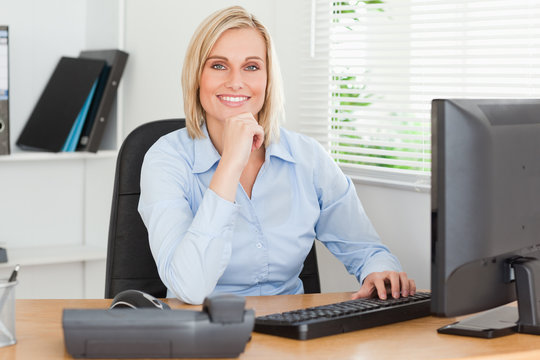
(485, 197)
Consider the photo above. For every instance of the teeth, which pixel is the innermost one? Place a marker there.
(234, 99)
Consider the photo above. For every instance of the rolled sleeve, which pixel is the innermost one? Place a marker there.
(215, 215)
(344, 226)
(203, 254)
(378, 262)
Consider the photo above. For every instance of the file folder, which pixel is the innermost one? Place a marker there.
(100, 110)
(60, 104)
(4, 91)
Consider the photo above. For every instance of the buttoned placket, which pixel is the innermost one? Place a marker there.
(260, 240)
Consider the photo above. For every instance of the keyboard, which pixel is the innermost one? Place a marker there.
(337, 318)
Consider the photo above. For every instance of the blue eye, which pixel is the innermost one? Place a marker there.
(252, 67)
(218, 67)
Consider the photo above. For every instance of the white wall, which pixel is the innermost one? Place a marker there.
(49, 201)
(38, 37)
(156, 36)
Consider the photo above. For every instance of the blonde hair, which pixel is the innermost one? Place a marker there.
(202, 42)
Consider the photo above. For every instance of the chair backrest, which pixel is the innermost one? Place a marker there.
(130, 264)
(310, 273)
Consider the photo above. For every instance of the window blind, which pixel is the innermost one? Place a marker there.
(372, 68)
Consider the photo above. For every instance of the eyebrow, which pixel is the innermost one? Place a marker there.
(225, 58)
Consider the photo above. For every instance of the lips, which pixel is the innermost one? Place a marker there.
(233, 100)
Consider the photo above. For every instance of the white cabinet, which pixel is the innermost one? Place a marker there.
(54, 207)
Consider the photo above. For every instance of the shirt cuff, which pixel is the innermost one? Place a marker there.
(215, 215)
(378, 263)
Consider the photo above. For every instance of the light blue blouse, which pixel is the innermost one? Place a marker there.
(203, 244)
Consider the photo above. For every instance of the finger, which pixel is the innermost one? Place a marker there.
(405, 285)
(258, 138)
(359, 295)
(381, 288)
(247, 125)
(412, 287)
(366, 290)
(247, 116)
(394, 284)
(256, 130)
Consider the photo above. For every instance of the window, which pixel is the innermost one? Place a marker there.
(373, 67)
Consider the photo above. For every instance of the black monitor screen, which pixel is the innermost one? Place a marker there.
(485, 201)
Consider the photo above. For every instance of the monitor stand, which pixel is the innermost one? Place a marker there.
(527, 272)
(505, 320)
(489, 324)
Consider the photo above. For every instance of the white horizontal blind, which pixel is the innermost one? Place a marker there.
(387, 59)
(315, 80)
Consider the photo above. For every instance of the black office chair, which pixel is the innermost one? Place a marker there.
(130, 264)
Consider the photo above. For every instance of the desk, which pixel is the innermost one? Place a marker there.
(39, 335)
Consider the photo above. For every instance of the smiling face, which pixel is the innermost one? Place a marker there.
(233, 80)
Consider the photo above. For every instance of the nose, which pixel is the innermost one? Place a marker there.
(235, 80)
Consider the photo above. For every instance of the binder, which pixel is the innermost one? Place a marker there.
(4, 91)
(75, 133)
(60, 104)
(100, 110)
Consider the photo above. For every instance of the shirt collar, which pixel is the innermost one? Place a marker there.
(280, 150)
(205, 155)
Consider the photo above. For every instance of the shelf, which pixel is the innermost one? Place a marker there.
(49, 255)
(40, 156)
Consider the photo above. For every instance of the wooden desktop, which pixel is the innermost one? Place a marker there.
(39, 335)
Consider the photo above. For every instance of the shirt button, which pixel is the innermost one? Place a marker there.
(259, 245)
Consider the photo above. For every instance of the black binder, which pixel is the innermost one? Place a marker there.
(100, 109)
(60, 103)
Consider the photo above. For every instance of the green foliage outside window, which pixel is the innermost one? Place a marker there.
(350, 92)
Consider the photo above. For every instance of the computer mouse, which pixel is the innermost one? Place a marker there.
(136, 299)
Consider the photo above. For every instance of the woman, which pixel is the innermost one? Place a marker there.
(233, 202)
